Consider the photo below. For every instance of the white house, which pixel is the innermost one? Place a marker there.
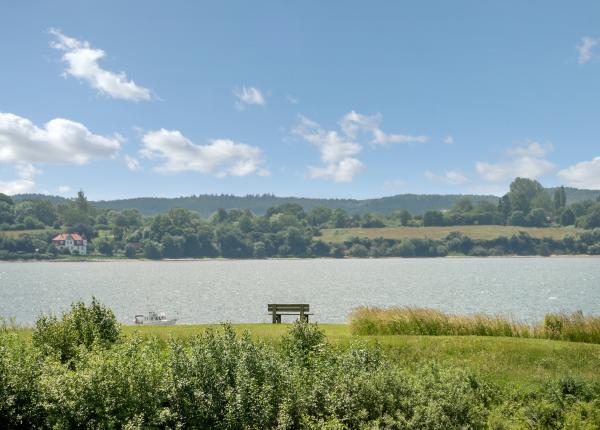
(74, 242)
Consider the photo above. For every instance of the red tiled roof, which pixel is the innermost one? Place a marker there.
(65, 236)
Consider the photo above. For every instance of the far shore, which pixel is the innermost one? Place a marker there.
(212, 259)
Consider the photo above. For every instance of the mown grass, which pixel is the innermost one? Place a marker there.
(476, 232)
(524, 364)
(574, 327)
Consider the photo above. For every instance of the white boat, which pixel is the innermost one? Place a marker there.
(154, 318)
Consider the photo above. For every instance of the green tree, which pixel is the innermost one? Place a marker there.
(152, 250)
(518, 218)
(463, 205)
(567, 217)
(560, 198)
(433, 218)
(522, 191)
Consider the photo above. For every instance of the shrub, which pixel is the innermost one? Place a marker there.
(20, 369)
(81, 326)
(125, 385)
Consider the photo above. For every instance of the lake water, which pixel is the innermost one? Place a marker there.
(238, 291)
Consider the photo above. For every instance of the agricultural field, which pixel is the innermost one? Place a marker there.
(477, 232)
(18, 233)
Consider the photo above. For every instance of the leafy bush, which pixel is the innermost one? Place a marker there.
(81, 326)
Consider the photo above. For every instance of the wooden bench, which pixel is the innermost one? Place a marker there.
(279, 309)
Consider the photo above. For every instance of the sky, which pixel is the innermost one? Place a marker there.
(349, 99)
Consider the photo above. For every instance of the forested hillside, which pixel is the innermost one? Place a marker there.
(205, 205)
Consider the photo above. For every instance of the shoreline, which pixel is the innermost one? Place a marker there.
(212, 259)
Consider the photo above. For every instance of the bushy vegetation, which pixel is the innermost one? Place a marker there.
(83, 326)
(222, 380)
(573, 327)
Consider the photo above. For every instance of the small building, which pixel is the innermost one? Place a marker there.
(74, 242)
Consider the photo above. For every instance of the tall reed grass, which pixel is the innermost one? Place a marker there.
(408, 320)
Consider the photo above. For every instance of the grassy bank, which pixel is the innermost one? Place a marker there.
(475, 232)
(574, 327)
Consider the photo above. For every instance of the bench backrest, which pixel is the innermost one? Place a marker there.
(288, 307)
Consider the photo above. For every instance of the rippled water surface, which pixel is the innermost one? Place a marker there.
(238, 291)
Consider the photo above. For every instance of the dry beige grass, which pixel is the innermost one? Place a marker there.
(407, 320)
(483, 232)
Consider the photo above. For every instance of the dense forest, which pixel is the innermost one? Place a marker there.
(207, 204)
(288, 230)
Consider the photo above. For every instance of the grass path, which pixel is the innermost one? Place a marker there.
(521, 363)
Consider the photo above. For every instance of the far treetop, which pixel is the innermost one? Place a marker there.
(207, 204)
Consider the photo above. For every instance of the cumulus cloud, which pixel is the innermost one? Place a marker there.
(337, 151)
(585, 174)
(449, 140)
(24, 182)
(222, 157)
(59, 141)
(132, 163)
(248, 96)
(354, 123)
(585, 49)
(451, 177)
(83, 63)
(527, 160)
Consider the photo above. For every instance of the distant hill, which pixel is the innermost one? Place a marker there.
(576, 195)
(207, 204)
(23, 197)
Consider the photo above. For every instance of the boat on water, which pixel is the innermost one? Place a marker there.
(154, 318)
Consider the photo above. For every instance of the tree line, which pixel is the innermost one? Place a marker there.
(288, 230)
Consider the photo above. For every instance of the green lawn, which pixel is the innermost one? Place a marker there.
(485, 232)
(521, 363)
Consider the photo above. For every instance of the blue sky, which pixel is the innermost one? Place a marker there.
(327, 99)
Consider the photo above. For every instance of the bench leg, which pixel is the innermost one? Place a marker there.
(306, 319)
(278, 319)
(274, 318)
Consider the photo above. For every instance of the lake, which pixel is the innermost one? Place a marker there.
(238, 291)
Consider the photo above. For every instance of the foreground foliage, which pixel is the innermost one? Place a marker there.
(573, 327)
(222, 380)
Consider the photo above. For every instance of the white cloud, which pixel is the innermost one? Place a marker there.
(82, 61)
(528, 160)
(64, 189)
(248, 96)
(24, 182)
(293, 100)
(17, 186)
(337, 151)
(449, 140)
(222, 157)
(451, 177)
(132, 163)
(342, 171)
(59, 141)
(585, 49)
(585, 174)
(354, 123)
